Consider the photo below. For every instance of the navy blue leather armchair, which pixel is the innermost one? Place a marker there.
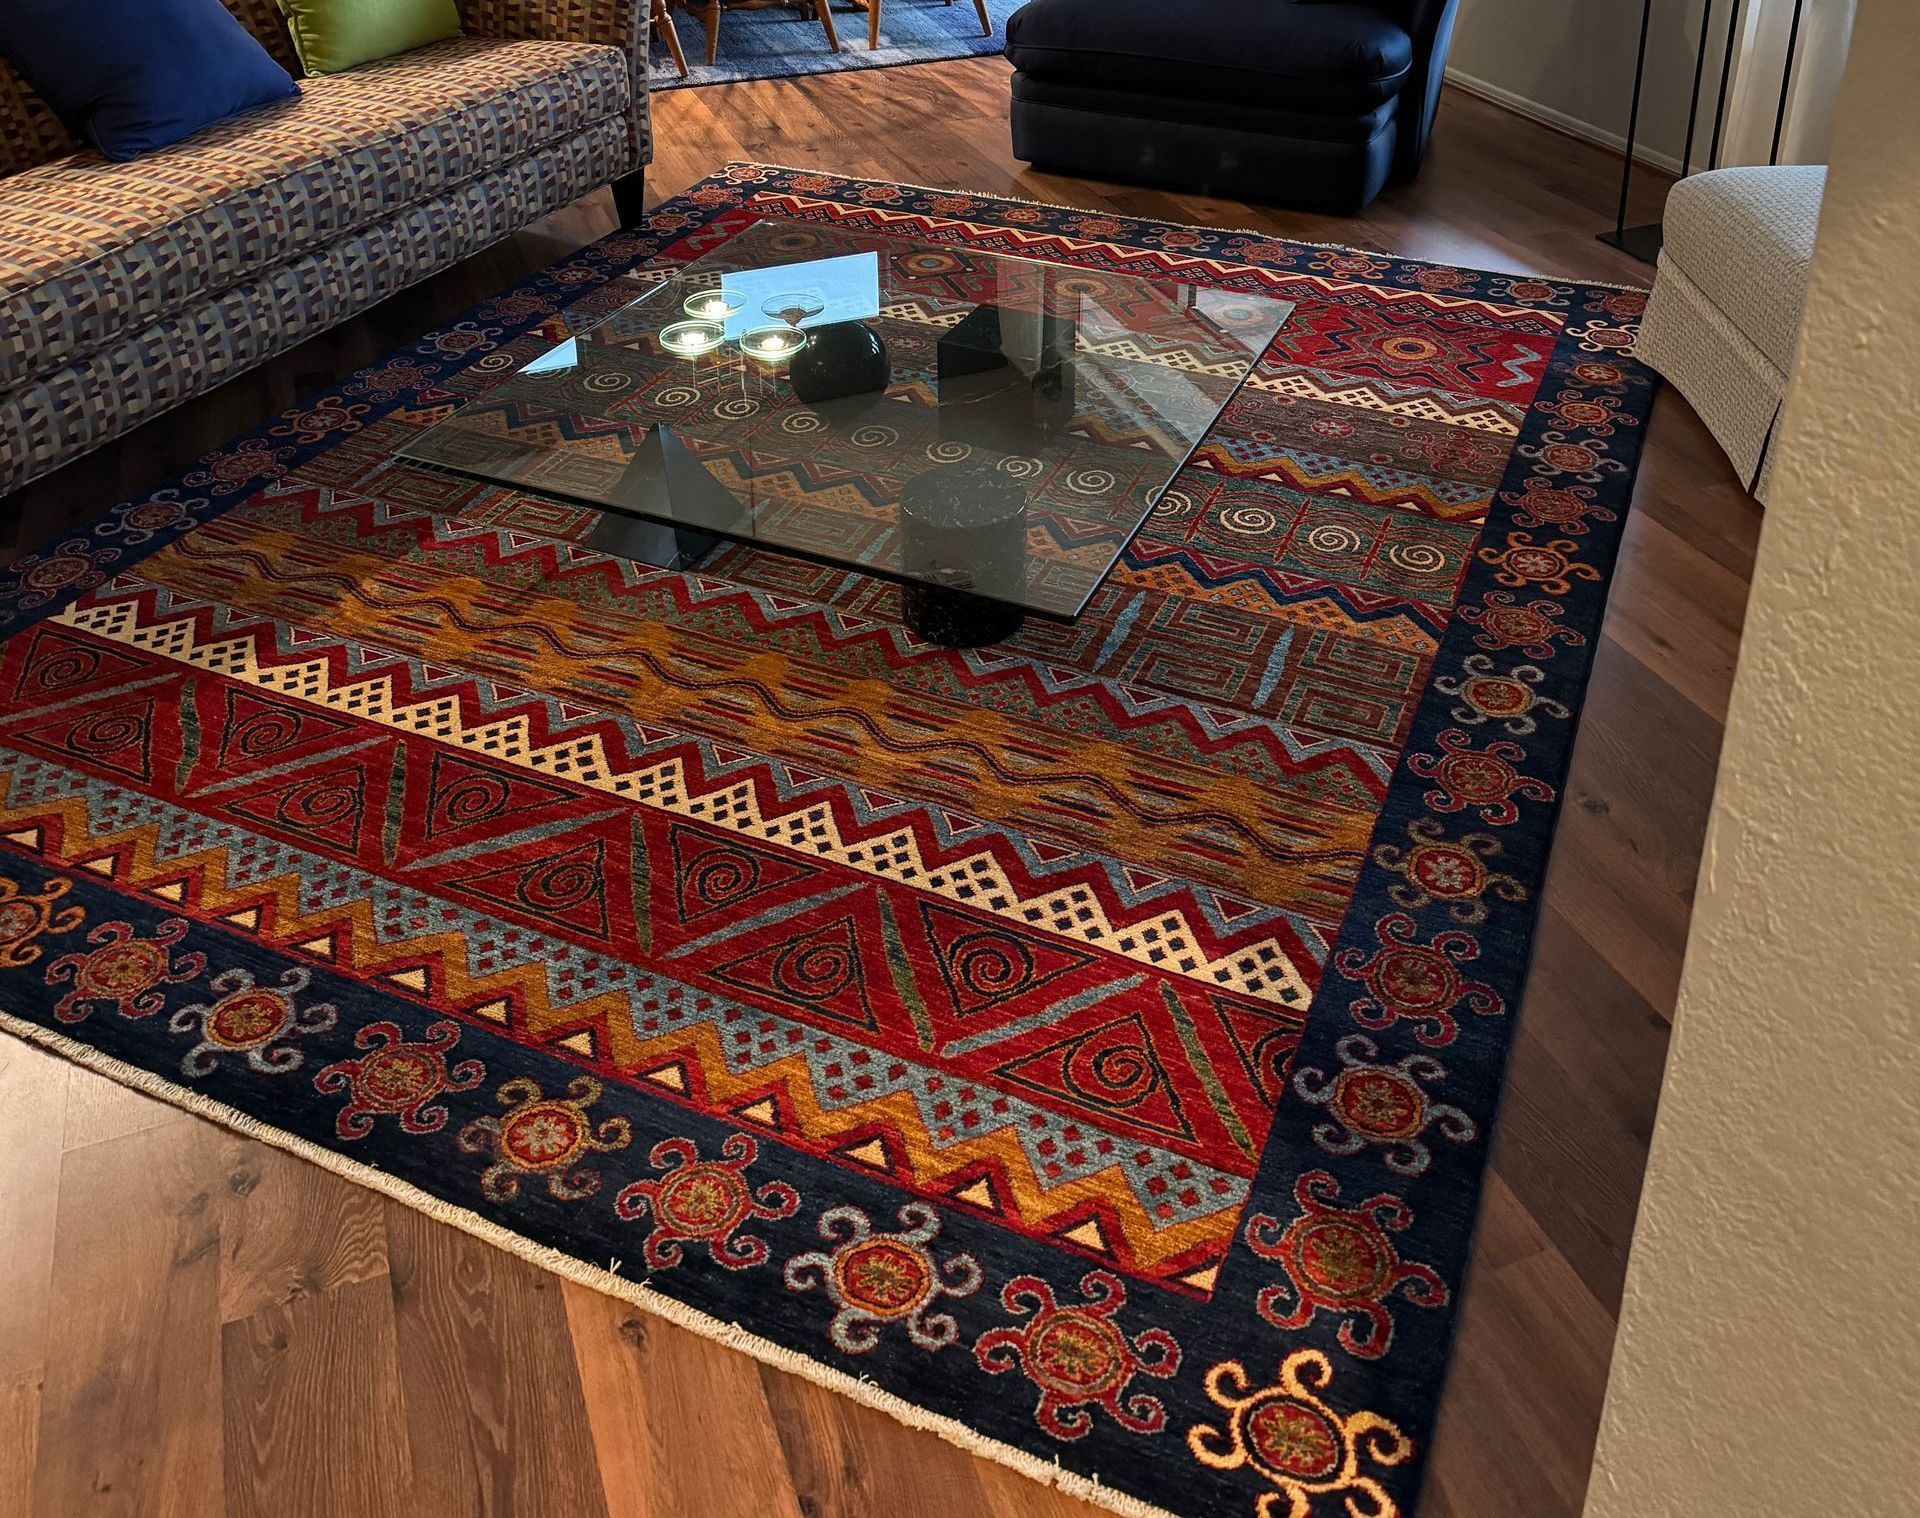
(1308, 103)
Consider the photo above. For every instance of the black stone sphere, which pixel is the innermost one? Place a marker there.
(840, 359)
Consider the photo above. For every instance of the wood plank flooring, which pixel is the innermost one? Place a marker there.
(195, 1325)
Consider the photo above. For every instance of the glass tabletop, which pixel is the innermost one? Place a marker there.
(989, 424)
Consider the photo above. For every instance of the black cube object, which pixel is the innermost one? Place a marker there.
(992, 399)
(963, 536)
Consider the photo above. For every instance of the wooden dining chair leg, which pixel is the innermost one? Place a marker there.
(663, 24)
(873, 26)
(712, 24)
(826, 21)
(986, 21)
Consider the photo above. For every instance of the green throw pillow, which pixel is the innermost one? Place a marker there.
(331, 35)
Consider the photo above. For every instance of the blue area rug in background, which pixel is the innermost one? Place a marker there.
(771, 44)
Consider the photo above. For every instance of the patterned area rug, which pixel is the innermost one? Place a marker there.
(774, 43)
(1086, 1047)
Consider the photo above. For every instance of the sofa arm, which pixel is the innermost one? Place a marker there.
(614, 23)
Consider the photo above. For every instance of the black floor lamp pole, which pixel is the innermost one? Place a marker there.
(1726, 77)
(1642, 243)
(1786, 82)
(1699, 70)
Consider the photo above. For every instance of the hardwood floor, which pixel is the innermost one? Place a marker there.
(192, 1324)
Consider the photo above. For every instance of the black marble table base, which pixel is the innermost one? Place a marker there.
(955, 619)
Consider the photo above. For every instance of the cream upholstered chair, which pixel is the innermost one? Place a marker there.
(1726, 303)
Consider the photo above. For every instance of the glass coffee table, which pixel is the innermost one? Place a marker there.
(988, 430)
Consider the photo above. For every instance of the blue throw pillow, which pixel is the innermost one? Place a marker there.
(130, 76)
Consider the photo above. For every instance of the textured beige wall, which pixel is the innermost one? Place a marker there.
(1768, 1364)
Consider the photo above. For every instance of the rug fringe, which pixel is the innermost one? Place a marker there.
(1298, 242)
(638, 1293)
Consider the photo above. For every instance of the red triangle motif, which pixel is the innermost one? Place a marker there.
(712, 874)
(1266, 1043)
(327, 805)
(817, 969)
(985, 965)
(465, 795)
(1232, 909)
(58, 663)
(1141, 880)
(1112, 1070)
(256, 729)
(116, 736)
(566, 887)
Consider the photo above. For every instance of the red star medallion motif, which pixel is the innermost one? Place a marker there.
(1340, 1260)
(1079, 1356)
(125, 970)
(398, 1078)
(705, 1202)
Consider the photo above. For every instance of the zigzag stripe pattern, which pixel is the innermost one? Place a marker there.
(1422, 403)
(1169, 352)
(1030, 242)
(1300, 854)
(1375, 484)
(481, 968)
(1182, 570)
(1000, 678)
(1098, 902)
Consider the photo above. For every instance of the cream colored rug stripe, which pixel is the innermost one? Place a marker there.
(1166, 943)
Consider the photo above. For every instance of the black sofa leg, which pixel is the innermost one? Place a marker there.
(629, 198)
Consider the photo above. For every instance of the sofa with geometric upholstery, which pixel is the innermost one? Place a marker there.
(126, 288)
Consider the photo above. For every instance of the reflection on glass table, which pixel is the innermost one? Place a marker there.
(991, 431)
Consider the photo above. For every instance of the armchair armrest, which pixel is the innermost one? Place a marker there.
(613, 23)
(1430, 24)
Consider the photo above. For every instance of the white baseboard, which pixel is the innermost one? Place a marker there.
(1572, 125)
